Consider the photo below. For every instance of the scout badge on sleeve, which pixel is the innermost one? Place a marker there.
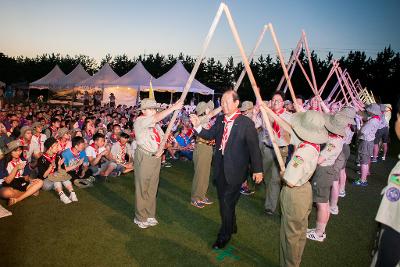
(393, 194)
(395, 179)
(297, 161)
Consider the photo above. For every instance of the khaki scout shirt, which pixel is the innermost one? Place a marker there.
(389, 210)
(332, 150)
(369, 129)
(145, 137)
(302, 165)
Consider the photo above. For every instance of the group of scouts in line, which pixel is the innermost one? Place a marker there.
(314, 143)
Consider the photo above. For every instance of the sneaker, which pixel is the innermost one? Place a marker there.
(383, 158)
(206, 201)
(313, 230)
(334, 210)
(360, 183)
(140, 224)
(65, 199)
(152, 221)
(269, 212)
(342, 193)
(197, 204)
(312, 235)
(73, 197)
(91, 179)
(246, 191)
(374, 160)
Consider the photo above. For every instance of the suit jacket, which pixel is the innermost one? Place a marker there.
(241, 149)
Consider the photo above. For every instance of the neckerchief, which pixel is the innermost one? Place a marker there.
(275, 125)
(226, 133)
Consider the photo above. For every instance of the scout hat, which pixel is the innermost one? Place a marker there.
(336, 124)
(12, 146)
(310, 126)
(62, 131)
(246, 105)
(374, 109)
(383, 107)
(24, 129)
(210, 105)
(148, 103)
(34, 125)
(349, 114)
(201, 108)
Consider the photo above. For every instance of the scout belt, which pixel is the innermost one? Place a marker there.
(205, 142)
(148, 153)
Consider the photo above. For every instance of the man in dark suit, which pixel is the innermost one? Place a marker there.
(236, 147)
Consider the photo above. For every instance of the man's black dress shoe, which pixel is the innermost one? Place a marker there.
(220, 244)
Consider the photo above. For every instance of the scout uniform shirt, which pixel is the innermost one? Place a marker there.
(349, 136)
(148, 134)
(389, 210)
(332, 150)
(119, 152)
(303, 163)
(369, 129)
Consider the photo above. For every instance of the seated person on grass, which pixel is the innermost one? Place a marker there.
(120, 155)
(99, 156)
(17, 184)
(184, 144)
(49, 164)
(76, 162)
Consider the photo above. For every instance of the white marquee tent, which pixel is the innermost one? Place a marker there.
(101, 78)
(175, 80)
(126, 87)
(72, 79)
(49, 80)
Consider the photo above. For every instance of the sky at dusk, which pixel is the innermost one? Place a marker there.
(95, 28)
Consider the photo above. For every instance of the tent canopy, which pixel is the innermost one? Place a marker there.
(137, 77)
(49, 79)
(175, 80)
(101, 78)
(73, 78)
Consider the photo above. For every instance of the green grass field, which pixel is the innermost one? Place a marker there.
(99, 229)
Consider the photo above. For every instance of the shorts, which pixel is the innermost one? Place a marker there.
(382, 134)
(18, 184)
(365, 149)
(340, 163)
(322, 182)
(96, 170)
(346, 151)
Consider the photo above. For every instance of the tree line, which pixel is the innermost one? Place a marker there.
(380, 74)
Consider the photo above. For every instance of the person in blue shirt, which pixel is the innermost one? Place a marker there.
(185, 146)
(77, 163)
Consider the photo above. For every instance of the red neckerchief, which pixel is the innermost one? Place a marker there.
(315, 109)
(332, 135)
(50, 160)
(113, 136)
(76, 157)
(62, 145)
(95, 149)
(14, 163)
(40, 142)
(25, 147)
(304, 143)
(190, 132)
(157, 137)
(275, 125)
(225, 135)
(123, 151)
(376, 117)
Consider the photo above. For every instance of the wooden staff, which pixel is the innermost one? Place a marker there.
(333, 91)
(191, 77)
(291, 64)
(310, 62)
(341, 86)
(306, 76)
(260, 38)
(331, 72)
(285, 72)
(255, 87)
